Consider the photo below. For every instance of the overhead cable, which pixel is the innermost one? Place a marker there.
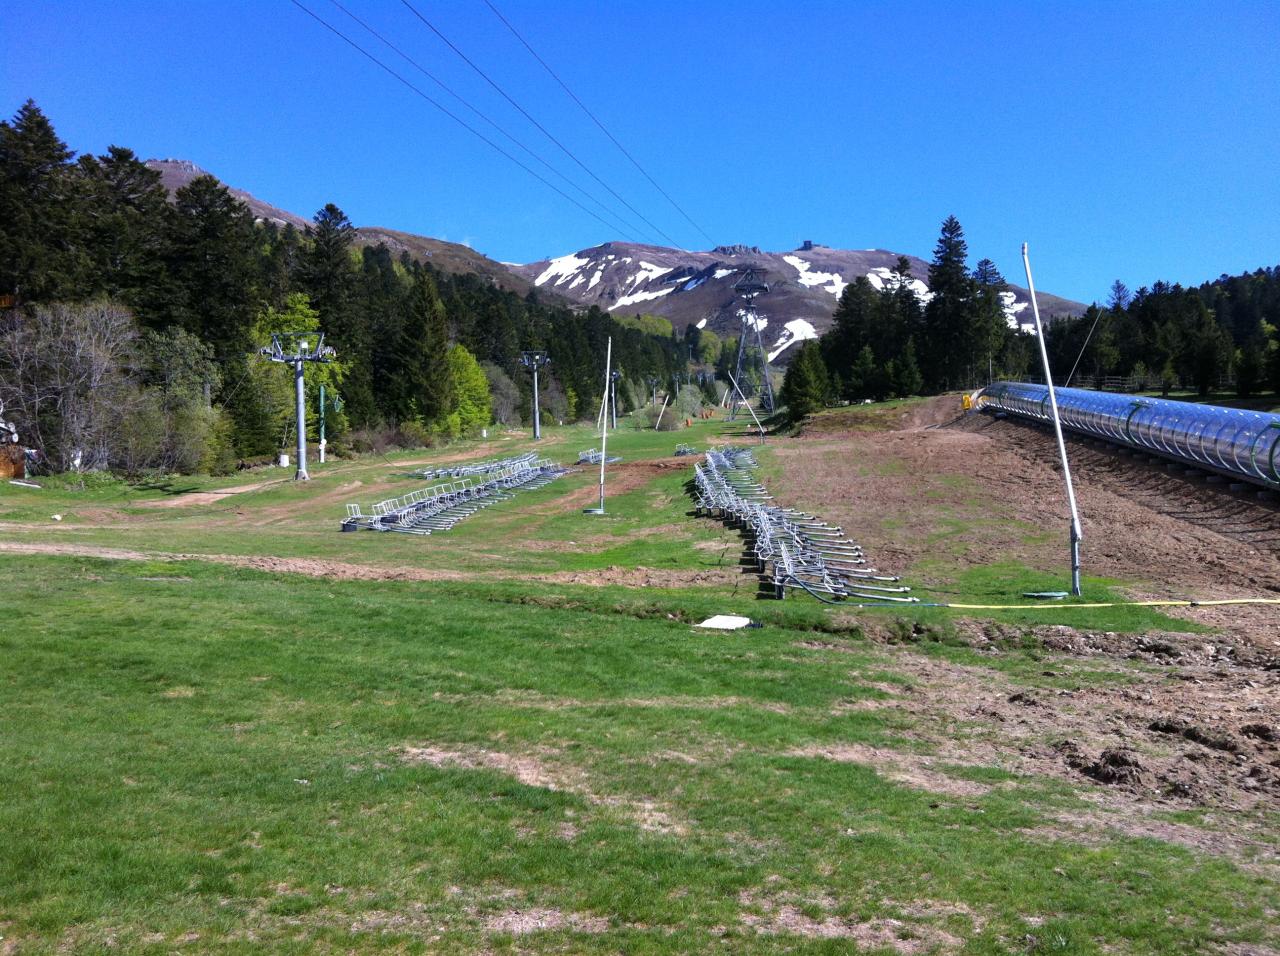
(545, 132)
(623, 227)
(443, 109)
(573, 96)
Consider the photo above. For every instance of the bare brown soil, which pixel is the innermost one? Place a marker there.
(198, 498)
(772, 913)
(1197, 725)
(978, 490)
(311, 567)
(642, 577)
(620, 477)
(543, 771)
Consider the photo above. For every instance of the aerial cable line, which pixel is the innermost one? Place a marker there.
(443, 109)
(594, 119)
(620, 223)
(542, 128)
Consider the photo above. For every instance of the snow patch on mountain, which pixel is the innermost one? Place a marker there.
(808, 278)
(640, 297)
(797, 330)
(648, 272)
(883, 278)
(561, 268)
(1009, 302)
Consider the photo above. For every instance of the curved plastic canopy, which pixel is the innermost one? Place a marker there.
(1232, 441)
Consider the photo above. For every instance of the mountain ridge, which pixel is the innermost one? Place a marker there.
(696, 288)
(447, 256)
(687, 288)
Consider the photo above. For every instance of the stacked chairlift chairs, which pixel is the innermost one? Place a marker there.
(440, 507)
(591, 456)
(796, 549)
(474, 469)
(1230, 441)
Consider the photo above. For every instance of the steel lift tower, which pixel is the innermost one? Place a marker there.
(534, 361)
(293, 348)
(750, 286)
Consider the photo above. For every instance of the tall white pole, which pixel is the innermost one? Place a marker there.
(301, 473)
(1076, 534)
(537, 416)
(604, 419)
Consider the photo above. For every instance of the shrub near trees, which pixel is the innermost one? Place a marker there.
(96, 244)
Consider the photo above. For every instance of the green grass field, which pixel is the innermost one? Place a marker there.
(205, 757)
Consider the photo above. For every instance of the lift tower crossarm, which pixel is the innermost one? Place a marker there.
(294, 348)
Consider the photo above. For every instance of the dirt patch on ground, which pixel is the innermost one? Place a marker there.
(620, 477)
(193, 499)
(787, 914)
(311, 567)
(522, 922)
(913, 770)
(1195, 725)
(529, 770)
(857, 419)
(541, 770)
(642, 577)
(990, 489)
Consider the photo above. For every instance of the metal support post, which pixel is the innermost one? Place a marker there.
(534, 361)
(1076, 534)
(322, 441)
(292, 348)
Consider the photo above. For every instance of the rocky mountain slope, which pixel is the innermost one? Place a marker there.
(445, 256)
(696, 288)
(689, 288)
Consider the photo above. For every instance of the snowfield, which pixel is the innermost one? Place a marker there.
(561, 268)
(797, 330)
(831, 281)
(640, 297)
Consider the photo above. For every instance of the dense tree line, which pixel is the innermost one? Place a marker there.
(1222, 331)
(197, 279)
(891, 342)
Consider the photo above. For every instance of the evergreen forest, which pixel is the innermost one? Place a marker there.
(131, 325)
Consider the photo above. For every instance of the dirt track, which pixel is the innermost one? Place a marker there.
(994, 492)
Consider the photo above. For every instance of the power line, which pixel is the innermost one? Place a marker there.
(620, 224)
(594, 119)
(542, 128)
(447, 112)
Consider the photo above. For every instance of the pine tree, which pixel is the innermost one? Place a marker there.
(804, 390)
(124, 236)
(862, 375)
(1119, 297)
(40, 249)
(907, 378)
(952, 313)
(851, 329)
(988, 274)
(212, 262)
(328, 275)
(422, 382)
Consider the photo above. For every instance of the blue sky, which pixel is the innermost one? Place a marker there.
(1138, 141)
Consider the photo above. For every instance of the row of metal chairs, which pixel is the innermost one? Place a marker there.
(440, 507)
(475, 468)
(794, 548)
(592, 457)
